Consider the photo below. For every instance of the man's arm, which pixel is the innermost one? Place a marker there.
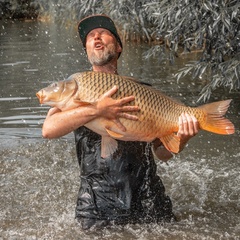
(58, 123)
(188, 128)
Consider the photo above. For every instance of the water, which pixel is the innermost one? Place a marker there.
(39, 178)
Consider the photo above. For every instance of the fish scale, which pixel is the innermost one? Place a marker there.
(127, 87)
(157, 118)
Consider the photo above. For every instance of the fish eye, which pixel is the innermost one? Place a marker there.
(56, 89)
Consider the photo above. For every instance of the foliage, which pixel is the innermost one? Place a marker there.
(211, 27)
(17, 9)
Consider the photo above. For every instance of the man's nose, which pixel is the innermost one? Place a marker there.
(97, 36)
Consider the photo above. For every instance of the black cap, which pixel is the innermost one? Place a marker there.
(89, 23)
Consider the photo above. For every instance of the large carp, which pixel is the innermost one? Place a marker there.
(158, 115)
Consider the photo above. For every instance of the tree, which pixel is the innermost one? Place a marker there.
(209, 26)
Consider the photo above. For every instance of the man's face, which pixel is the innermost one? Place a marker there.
(101, 46)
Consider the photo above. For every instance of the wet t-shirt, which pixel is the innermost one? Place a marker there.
(123, 187)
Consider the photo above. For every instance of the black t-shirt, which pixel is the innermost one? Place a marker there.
(123, 188)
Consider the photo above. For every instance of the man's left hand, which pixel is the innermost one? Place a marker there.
(188, 128)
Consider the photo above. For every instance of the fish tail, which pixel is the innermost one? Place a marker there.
(214, 120)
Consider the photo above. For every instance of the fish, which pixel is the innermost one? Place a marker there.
(157, 118)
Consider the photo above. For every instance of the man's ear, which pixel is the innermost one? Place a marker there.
(119, 48)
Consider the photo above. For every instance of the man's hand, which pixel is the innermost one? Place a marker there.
(188, 128)
(114, 109)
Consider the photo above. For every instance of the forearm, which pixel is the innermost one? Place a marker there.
(58, 124)
(160, 151)
(163, 154)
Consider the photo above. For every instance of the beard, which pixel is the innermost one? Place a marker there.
(103, 57)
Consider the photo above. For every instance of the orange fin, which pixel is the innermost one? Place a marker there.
(81, 103)
(108, 146)
(215, 122)
(171, 142)
(113, 134)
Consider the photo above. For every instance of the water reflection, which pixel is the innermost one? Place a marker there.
(39, 178)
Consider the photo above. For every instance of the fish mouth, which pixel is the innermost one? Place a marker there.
(40, 96)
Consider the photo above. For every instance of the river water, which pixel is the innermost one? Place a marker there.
(39, 178)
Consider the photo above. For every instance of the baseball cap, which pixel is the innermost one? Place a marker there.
(89, 23)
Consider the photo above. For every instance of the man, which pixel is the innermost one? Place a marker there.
(123, 188)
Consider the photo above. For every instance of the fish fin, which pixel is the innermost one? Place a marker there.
(137, 81)
(113, 134)
(81, 103)
(215, 122)
(171, 142)
(108, 146)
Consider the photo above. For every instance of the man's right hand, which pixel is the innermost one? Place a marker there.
(114, 109)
